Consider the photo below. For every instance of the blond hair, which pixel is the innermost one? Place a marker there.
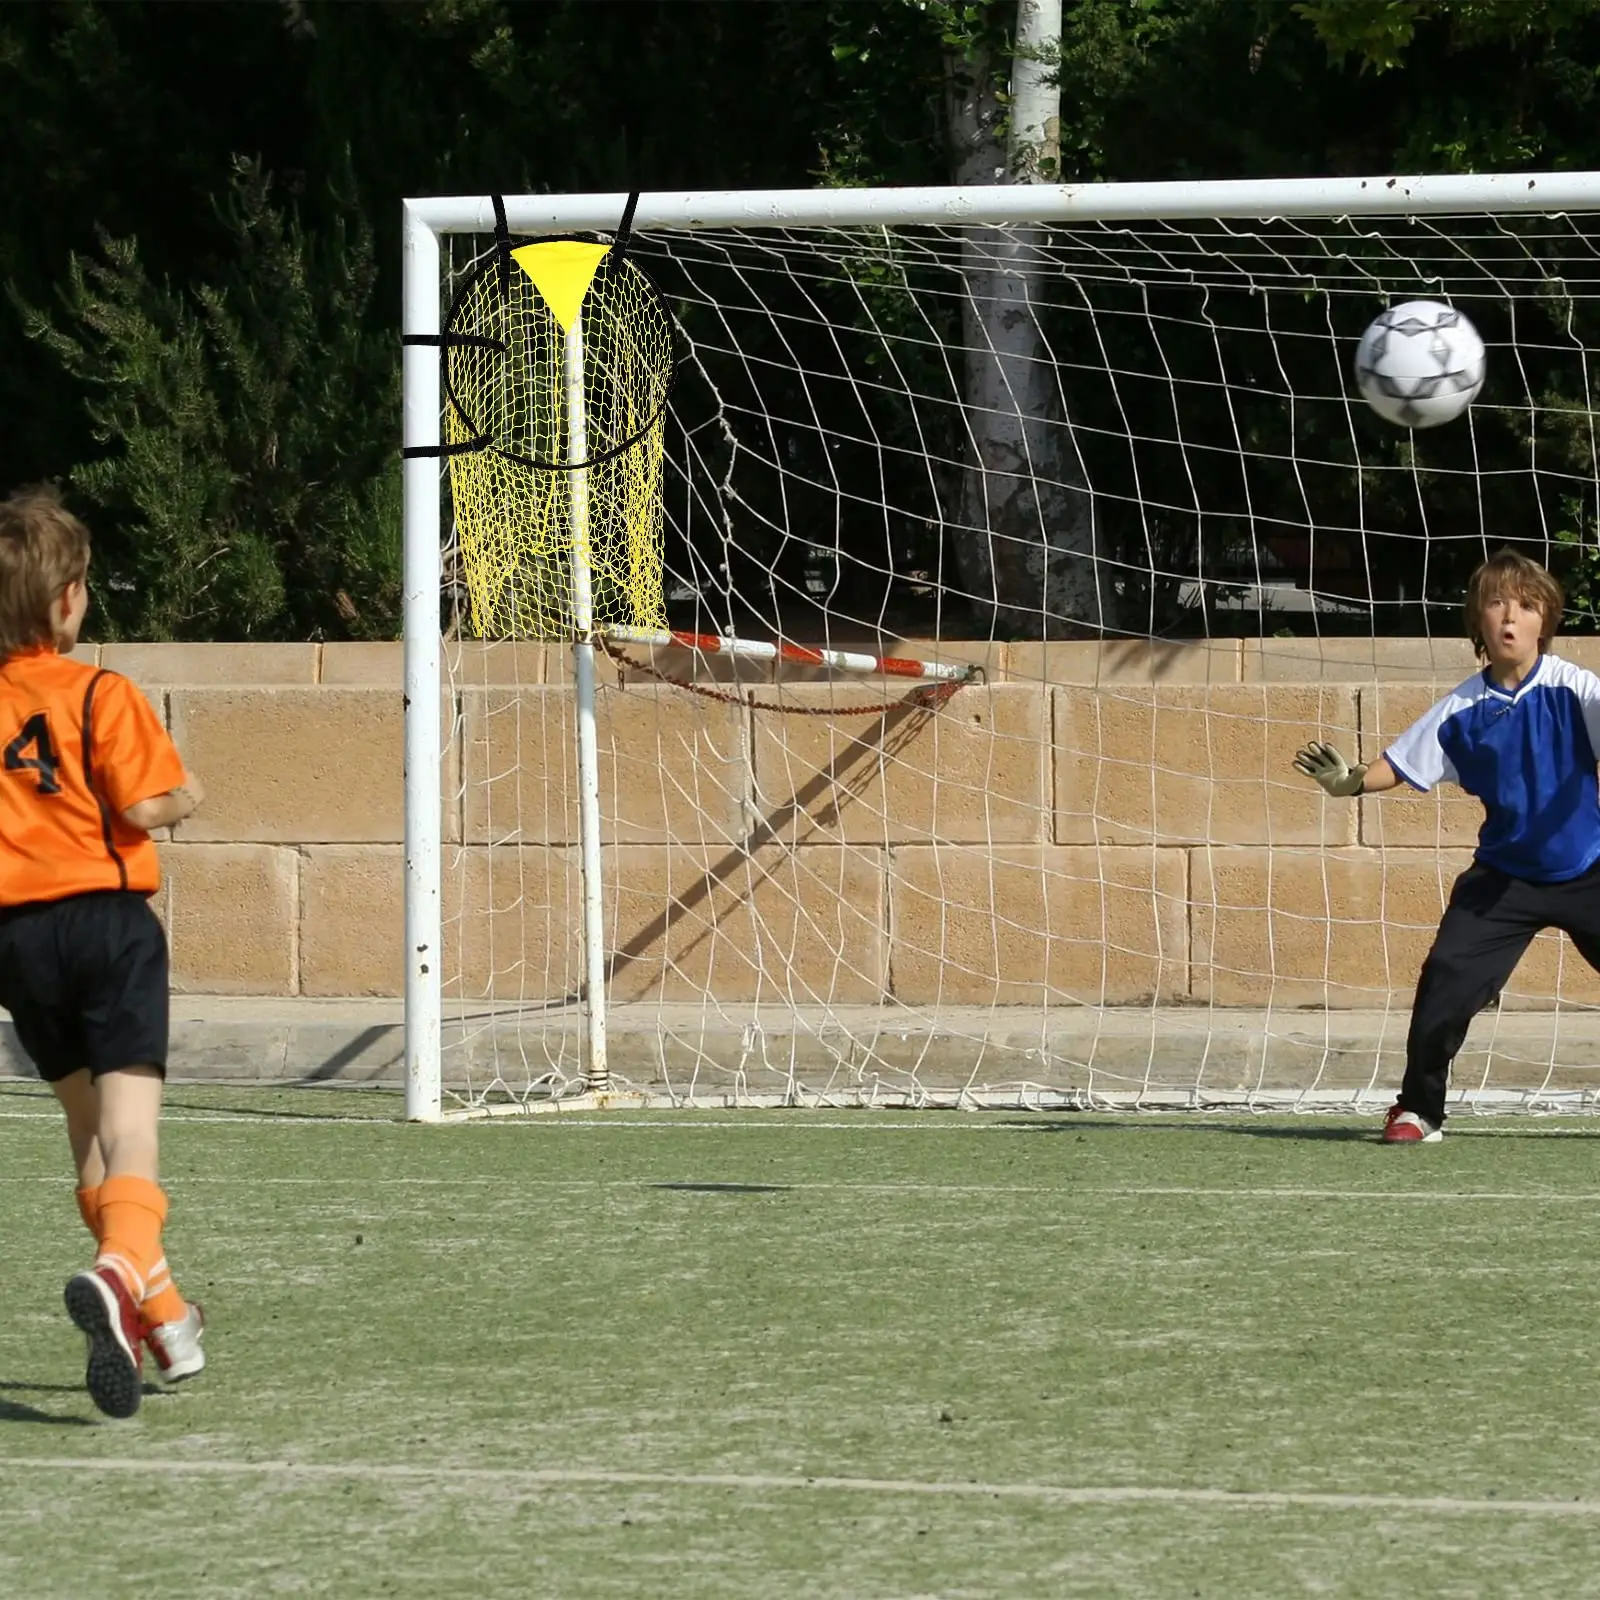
(43, 549)
(1510, 575)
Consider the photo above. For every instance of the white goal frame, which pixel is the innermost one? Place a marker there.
(426, 221)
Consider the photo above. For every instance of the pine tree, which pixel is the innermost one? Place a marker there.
(249, 485)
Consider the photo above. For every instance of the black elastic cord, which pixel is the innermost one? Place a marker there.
(412, 452)
(502, 244)
(456, 341)
(619, 245)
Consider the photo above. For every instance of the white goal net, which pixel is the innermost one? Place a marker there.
(1097, 456)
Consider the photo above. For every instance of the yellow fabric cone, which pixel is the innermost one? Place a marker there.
(561, 270)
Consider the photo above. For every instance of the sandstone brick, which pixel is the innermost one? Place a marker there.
(1119, 661)
(1315, 928)
(803, 927)
(1342, 928)
(1353, 659)
(1447, 818)
(972, 771)
(352, 920)
(560, 665)
(232, 918)
(671, 766)
(314, 765)
(1036, 925)
(377, 663)
(1552, 971)
(1180, 765)
(484, 664)
(512, 920)
(163, 666)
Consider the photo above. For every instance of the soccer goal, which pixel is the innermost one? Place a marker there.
(855, 640)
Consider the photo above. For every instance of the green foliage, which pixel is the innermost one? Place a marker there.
(1494, 84)
(1377, 32)
(1380, 33)
(1579, 572)
(1106, 46)
(222, 391)
(248, 484)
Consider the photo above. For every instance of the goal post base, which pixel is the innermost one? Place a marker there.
(666, 1055)
(1034, 1100)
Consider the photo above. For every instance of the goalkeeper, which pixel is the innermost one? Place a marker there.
(1521, 736)
(86, 772)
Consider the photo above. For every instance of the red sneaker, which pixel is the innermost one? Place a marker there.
(99, 1304)
(1406, 1127)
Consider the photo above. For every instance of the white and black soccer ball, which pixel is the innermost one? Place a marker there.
(1420, 363)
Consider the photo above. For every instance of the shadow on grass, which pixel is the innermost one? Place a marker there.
(20, 1411)
(175, 1101)
(1517, 1128)
(1509, 1126)
(1094, 1123)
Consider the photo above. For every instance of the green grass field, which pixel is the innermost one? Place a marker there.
(832, 1355)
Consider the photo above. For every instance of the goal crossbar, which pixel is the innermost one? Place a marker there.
(994, 204)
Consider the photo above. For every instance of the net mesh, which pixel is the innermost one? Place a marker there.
(537, 348)
(1092, 878)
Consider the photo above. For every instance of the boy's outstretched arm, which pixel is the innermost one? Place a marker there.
(162, 810)
(1338, 777)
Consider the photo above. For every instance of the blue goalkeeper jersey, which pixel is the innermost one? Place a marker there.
(1529, 755)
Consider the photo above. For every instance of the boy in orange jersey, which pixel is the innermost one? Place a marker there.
(86, 771)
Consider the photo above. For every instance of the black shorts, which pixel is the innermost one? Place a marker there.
(85, 980)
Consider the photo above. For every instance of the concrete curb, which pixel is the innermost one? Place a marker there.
(762, 1050)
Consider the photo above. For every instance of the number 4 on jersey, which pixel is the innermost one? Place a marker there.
(35, 736)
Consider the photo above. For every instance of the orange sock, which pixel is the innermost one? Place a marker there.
(132, 1211)
(162, 1302)
(89, 1210)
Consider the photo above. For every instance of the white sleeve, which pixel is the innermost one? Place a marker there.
(1417, 756)
(1587, 688)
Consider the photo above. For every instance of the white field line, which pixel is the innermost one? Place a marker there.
(802, 1186)
(1512, 1125)
(756, 1482)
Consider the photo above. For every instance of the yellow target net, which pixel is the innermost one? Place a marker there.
(557, 364)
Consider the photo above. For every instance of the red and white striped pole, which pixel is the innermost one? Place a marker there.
(713, 644)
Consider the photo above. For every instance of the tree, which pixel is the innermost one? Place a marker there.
(1025, 535)
(247, 484)
(127, 120)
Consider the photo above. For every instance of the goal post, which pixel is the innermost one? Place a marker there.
(1035, 879)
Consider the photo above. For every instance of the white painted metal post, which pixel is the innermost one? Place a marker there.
(423, 993)
(996, 204)
(596, 1068)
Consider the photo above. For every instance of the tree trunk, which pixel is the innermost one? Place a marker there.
(1025, 539)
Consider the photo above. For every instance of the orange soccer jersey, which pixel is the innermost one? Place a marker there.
(78, 746)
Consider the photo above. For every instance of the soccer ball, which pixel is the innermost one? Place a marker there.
(1419, 364)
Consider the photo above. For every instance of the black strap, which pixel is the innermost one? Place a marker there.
(619, 245)
(462, 447)
(453, 341)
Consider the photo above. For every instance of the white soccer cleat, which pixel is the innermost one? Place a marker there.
(176, 1345)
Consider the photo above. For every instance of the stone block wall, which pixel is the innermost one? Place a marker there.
(1105, 823)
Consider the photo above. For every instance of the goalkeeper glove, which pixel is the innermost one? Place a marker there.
(1330, 769)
